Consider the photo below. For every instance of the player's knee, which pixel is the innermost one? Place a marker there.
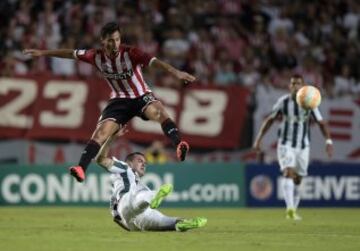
(286, 173)
(161, 114)
(289, 173)
(163, 117)
(297, 180)
(158, 115)
(152, 113)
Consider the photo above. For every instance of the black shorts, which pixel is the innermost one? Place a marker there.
(121, 110)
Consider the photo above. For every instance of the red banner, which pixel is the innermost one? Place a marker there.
(50, 108)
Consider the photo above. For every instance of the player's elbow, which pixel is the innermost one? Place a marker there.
(155, 62)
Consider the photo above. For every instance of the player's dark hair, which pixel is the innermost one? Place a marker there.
(109, 29)
(296, 75)
(131, 156)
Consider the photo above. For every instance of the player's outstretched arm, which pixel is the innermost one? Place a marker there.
(181, 75)
(265, 126)
(329, 143)
(60, 53)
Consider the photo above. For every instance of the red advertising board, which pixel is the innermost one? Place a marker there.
(68, 109)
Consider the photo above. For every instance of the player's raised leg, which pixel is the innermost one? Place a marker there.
(134, 207)
(102, 132)
(164, 191)
(156, 112)
(141, 199)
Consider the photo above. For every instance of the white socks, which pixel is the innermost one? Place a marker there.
(296, 196)
(291, 193)
(288, 189)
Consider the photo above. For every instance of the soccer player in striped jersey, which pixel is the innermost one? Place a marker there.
(293, 142)
(121, 66)
(133, 205)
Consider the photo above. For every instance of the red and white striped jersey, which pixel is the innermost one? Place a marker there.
(122, 72)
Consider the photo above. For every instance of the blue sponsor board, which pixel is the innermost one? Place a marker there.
(327, 185)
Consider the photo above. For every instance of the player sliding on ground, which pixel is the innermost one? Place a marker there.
(121, 66)
(293, 142)
(132, 203)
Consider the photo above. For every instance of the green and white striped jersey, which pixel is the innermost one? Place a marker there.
(123, 179)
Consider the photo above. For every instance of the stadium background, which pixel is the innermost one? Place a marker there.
(243, 54)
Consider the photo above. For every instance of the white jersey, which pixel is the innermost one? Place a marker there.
(123, 178)
(130, 201)
(294, 130)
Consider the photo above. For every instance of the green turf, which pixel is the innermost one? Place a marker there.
(88, 229)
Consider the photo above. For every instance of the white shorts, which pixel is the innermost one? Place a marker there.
(136, 215)
(293, 158)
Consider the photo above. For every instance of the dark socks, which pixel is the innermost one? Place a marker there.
(90, 151)
(170, 130)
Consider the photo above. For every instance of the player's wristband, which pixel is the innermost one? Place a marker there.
(329, 142)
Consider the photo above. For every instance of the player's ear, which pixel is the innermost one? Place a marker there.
(102, 40)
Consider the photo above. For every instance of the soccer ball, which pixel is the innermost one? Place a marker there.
(308, 97)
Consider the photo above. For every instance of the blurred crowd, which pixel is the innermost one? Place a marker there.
(222, 42)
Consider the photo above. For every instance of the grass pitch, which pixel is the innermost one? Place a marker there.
(91, 229)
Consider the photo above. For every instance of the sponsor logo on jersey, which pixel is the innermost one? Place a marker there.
(123, 75)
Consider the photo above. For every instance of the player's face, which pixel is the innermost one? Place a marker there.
(138, 164)
(112, 42)
(295, 85)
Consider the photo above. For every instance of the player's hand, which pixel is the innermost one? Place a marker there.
(33, 52)
(329, 150)
(184, 76)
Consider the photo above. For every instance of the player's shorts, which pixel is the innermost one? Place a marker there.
(294, 158)
(121, 110)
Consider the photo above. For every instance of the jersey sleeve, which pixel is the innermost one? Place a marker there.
(316, 114)
(140, 57)
(118, 166)
(87, 56)
(276, 109)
